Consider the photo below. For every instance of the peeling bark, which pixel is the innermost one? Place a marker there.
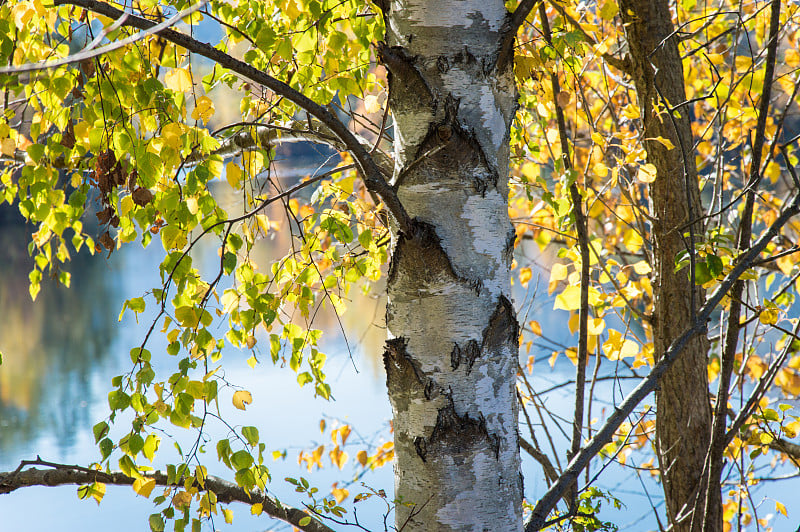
(452, 358)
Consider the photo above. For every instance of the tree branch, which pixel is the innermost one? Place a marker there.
(714, 461)
(539, 515)
(372, 175)
(253, 135)
(581, 228)
(226, 492)
(514, 22)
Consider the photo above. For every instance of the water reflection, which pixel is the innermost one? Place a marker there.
(53, 346)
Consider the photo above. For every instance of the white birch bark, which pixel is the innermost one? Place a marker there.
(452, 357)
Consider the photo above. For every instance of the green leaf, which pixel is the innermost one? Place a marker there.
(118, 400)
(241, 460)
(151, 446)
(250, 434)
(99, 431)
(156, 523)
(702, 274)
(715, 266)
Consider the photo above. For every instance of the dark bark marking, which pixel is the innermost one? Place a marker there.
(403, 375)
(508, 249)
(442, 64)
(398, 365)
(451, 147)
(458, 433)
(464, 56)
(503, 327)
(405, 80)
(423, 256)
(469, 353)
(421, 448)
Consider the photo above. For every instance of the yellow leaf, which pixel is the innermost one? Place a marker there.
(252, 361)
(792, 57)
(596, 326)
(203, 109)
(371, 104)
(558, 272)
(541, 109)
(647, 173)
(773, 171)
(642, 268)
(609, 10)
(601, 170)
(22, 13)
(256, 509)
(8, 147)
(631, 112)
(143, 486)
(339, 494)
(525, 275)
(171, 133)
(241, 399)
(573, 323)
(192, 205)
(178, 80)
(233, 174)
(780, 508)
(569, 299)
(666, 142)
(361, 456)
(526, 65)
(632, 240)
(535, 328)
(629, 349)
(768, 316)
(227, 513)
(253, 162)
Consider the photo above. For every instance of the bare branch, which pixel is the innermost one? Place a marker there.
(226, 492)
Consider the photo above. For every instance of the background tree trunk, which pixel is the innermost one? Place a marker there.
(451, 361)
(683, 418)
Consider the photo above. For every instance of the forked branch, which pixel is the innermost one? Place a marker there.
(370, 171)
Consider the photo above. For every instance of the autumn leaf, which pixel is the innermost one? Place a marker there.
(362, 457)
(371, 104)
(178, 80)
(233, 174)
(144, 486)
(241, 399)
(340, 494)
(647, 173)
(525, 275)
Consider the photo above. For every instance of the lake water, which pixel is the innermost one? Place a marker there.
(61, 352)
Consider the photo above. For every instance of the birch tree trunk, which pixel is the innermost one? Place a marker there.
(683, 417)
(451, 360)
